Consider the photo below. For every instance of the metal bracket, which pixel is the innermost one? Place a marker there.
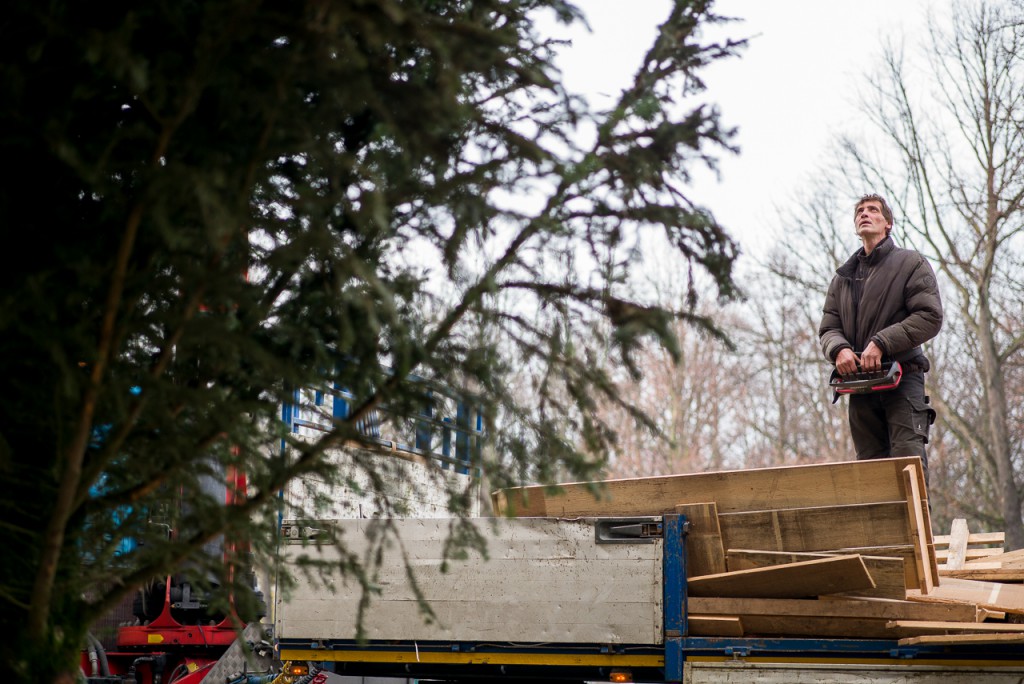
(627, 530)
(737, 651)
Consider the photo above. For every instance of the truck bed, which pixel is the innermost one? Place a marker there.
(567, 599)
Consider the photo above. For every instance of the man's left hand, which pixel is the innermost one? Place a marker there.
(871, 357)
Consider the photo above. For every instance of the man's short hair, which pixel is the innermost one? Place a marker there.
(886, 211)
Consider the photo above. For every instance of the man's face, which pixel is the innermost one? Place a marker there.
(869, 220)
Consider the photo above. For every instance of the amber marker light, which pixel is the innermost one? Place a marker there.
(296, 669)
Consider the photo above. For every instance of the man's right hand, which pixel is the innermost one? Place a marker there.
(846, 362)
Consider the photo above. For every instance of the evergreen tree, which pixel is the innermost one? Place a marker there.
(223, 201)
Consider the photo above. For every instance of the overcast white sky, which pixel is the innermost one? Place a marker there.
(788, 92)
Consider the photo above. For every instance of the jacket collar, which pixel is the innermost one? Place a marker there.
(881, 250)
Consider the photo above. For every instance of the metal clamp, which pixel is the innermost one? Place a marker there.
(627, 530)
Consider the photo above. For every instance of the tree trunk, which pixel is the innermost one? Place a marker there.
(996, 403)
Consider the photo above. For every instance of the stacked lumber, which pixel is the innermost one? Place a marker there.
(837, 550)
(979, 555)
(975, 570)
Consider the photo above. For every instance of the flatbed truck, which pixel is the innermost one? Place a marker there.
(586, 599)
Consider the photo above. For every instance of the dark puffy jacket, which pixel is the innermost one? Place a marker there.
(899, 308)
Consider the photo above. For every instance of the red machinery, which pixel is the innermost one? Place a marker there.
(172, 635)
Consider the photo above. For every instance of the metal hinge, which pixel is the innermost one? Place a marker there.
(627, 530)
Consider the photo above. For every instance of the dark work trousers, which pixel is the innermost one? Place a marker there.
(892, 423)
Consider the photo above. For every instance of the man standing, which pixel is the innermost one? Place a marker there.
(883, 304)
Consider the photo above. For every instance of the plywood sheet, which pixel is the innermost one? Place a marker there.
(821, 528)
(992, 595)
(705, 554)
(822, 484)
(852, 608)
(789, 580)
(888, 573)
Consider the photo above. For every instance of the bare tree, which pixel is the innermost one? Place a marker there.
(766, 403)
(958, 486)
(790, 415)
(953, 162)
(693, 402)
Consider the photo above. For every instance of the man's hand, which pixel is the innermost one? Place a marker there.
(846, 362)
(871, 358)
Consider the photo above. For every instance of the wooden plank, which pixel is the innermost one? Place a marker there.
(790, 580)
(1004, 558)
(957, 553)
(945, 626)
(991, 595)
(954, 639)
(815, 626)
(997, 573)
(705, 554)
(975, 538)
(918, 530)
(887, 572)
(878, 609)
(906, 552)
(924, 509)
(982, 565)
(971, 554)
(827, 627)
(819, 670)
(714, 625)
(821, 484)
(981, 614)
(821, 528)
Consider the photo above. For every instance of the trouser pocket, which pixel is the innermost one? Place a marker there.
(922, 415)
